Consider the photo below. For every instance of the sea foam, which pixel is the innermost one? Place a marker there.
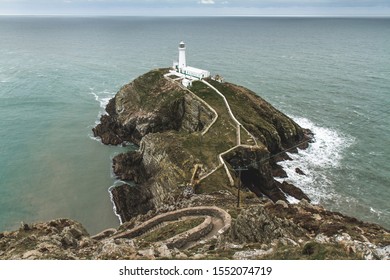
(321, 157)
(103, 97)
(113, 203)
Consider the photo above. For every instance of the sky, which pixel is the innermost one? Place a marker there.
(197, 7)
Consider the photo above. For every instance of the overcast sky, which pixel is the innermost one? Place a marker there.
(197, 7)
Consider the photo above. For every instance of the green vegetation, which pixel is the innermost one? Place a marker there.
(312, 251)
(246, 139)
(214, 100)
(309, 251)
(171, 229)
(155, 91)
(256, 115)
(220, 137)
(215, 182)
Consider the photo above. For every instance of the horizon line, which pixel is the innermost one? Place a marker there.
(184, 16)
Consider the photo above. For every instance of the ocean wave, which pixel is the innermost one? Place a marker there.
(112, 201)
(103, 97)
(116, 183)
(92, 137)
(321, 157)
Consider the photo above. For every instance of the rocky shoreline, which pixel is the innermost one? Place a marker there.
(181, 185)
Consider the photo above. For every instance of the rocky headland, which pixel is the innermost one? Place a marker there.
(200, 184)
(181, 133)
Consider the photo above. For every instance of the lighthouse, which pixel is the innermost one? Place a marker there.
(182, 56)
(187, 73)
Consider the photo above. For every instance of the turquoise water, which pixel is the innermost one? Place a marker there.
(56, 74)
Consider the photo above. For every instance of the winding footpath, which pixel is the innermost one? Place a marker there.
(216, 222)
(239, 126)
(238, 137)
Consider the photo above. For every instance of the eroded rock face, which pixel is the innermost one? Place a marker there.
(61, 239)
(129, 166)
(131, 201)
(150, 104)
(257, 174)
(293, 191)
(255, 224)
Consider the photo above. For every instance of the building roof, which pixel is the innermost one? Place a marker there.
(195, 70)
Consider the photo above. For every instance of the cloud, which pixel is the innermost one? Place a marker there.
(197, 7)
(206, 2)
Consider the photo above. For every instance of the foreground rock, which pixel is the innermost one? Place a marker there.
(305, 231)
(260, 230)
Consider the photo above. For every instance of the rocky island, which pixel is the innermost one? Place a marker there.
(200, 184)
(188, 138)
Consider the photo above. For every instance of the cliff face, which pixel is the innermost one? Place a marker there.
(150, 104)
(169, 125)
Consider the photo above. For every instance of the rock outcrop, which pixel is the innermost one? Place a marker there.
(59, 239)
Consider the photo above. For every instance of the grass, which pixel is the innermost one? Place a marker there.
(213, 99)
(155, 91)
(220, 137)
(263, 121)
(312, 251)
(171, 229)
(222, 134)
(215, 182)
(246, 139)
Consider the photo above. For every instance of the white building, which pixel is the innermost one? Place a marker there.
(188, 71)
(186, 82)
(182, 55)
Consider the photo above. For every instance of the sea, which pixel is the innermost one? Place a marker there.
(331, 75)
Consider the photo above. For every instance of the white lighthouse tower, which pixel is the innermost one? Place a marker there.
(185, 73)
(182, 56)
